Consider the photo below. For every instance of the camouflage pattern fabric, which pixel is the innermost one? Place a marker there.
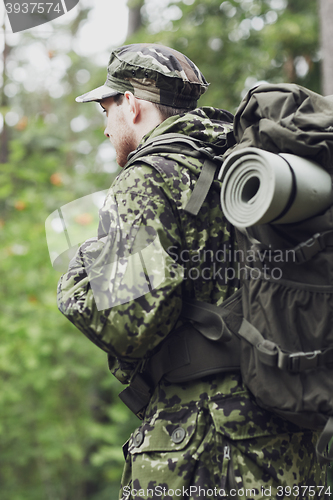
(154, 73)
(218, 447)
(189, 430)
(144, 201)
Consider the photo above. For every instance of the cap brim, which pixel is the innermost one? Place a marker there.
(97, 94)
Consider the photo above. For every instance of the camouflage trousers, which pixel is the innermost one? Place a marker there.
(199, 462)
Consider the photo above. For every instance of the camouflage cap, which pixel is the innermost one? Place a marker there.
(151, 72)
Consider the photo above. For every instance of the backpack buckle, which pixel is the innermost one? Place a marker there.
(301, 361)
(307, 249)
(210, 154)
(207, 151)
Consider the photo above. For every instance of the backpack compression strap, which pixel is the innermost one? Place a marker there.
(303, 252)
(182, 144)
(271, 354)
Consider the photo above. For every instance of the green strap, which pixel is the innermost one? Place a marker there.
(201, 187)
(197, 144)
(218, 323)
(169, 143)
(249, 333)
(208, 319)
(137, 395)
(324, 454)
(172, 355)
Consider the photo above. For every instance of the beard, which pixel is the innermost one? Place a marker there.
(123, 140)
(125, 145)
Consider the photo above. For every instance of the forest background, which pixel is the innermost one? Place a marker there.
(61, 423)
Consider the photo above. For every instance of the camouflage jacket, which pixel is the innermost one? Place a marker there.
(124, 289)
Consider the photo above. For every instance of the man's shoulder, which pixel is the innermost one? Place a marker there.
(149, 171)
(158, 176)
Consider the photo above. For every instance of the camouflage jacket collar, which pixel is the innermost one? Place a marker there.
(207, 124)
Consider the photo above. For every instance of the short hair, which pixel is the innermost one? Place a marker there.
(165, 111)
(118, 99)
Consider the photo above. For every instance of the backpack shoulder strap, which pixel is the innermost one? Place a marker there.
(202, 187)
(175, 143)
(185, 145)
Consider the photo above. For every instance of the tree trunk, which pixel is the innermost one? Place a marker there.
(326, 39)
(134, 16)
(4, 135)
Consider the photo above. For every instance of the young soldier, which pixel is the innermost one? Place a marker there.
(201, 433)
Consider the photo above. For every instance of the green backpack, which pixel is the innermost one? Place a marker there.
(287, 330)
(282, 328)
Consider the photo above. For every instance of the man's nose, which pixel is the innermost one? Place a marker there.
(106, 133)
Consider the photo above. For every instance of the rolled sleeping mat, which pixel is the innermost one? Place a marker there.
(260, 187)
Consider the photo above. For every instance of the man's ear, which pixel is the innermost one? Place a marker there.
(133, 106)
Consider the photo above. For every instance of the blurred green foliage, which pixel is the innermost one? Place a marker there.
(62, 425)
(237, 43)
(61, 422)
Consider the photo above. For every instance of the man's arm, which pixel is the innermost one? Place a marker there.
(123, 291)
